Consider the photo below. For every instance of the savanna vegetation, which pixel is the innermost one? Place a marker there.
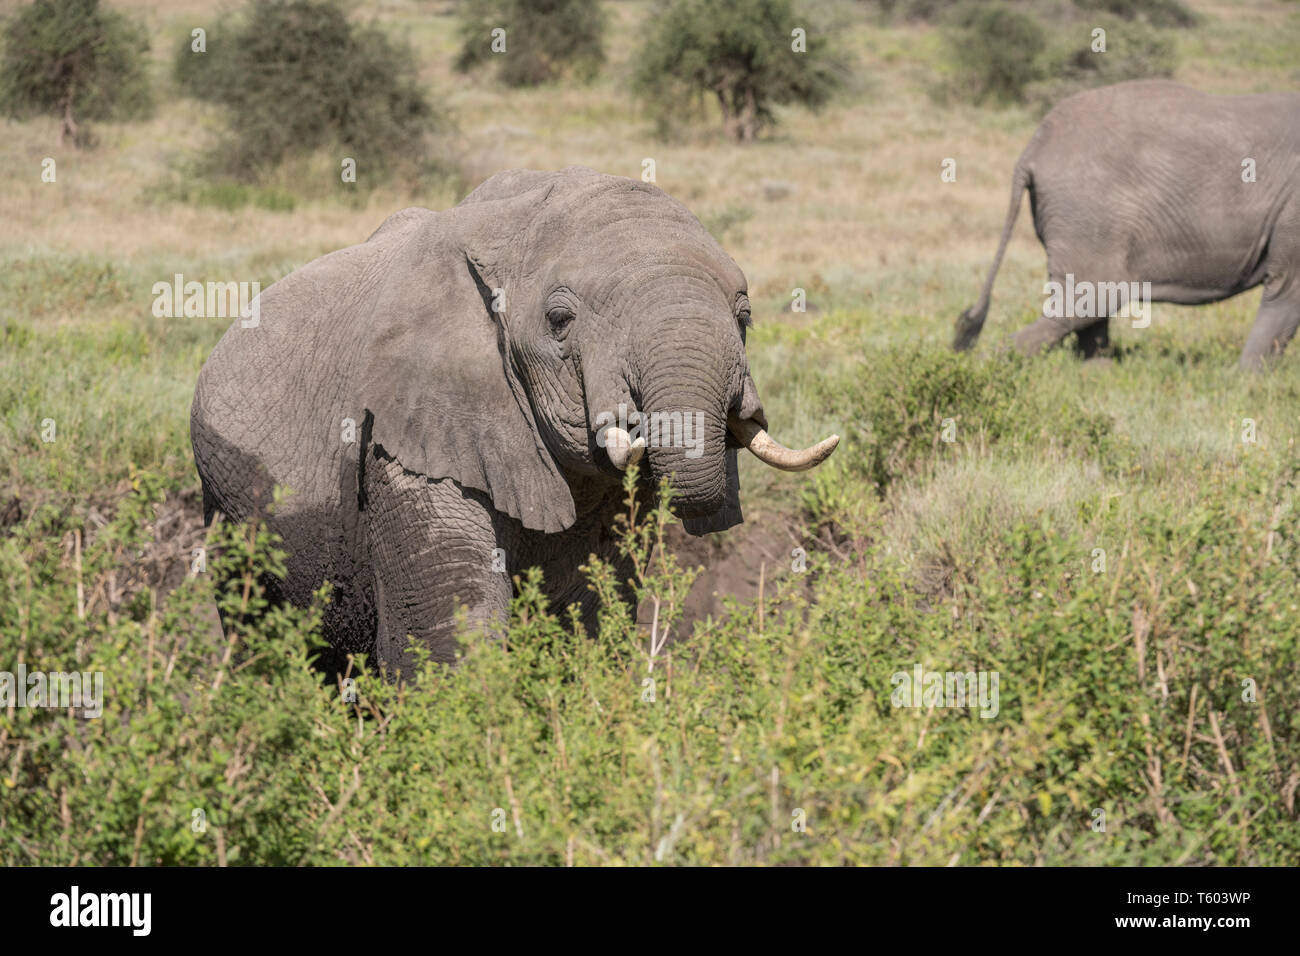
(297, 77)
(75, 60)
(552, 38)
(1117, 539)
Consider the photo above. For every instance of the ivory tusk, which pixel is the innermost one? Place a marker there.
(621, 449)
(771, 452)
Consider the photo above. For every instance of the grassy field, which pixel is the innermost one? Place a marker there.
(1117, 539)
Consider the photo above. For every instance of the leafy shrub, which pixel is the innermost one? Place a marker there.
(925, 10)
(1159, 13)
(1132, 53)
(196, 72)
(996, 50)
(1003, 53)
(1174, 630)
(903, 409)
(77, 61)
(295, 76)
(913, 395)
(543, 40)
(1120, 690)
(744, 60)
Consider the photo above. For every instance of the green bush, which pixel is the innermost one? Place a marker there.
(1154, 690)
(77, 61)
(744, 60)
(1159, 13)
(543, 40)
(996, 50)
(925, 10)
(1132, 52)
(916, 394)
(295, 76)
(197, 72)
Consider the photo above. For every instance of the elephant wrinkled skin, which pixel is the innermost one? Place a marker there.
(1150, 181)
(481, 354)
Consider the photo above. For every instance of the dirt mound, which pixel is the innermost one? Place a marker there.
(733, 564)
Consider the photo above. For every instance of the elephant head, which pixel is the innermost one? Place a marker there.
(583, 321)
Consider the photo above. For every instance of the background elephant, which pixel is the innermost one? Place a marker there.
(476, 350)
(1147, 182)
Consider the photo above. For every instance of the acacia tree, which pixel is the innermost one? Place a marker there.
(761, 53)
(75, 60)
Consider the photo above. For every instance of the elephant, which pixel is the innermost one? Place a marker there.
(1153, 182)
(457, 399)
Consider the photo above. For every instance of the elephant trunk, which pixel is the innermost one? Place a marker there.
(687, 435)
(685, 429)
(696, 463)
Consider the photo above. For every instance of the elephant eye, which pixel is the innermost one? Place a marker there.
(559, 316)
(743, 315)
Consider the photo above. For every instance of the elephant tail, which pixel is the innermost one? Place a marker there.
(971, 321)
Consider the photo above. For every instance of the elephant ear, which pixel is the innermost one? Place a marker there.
(435, 377)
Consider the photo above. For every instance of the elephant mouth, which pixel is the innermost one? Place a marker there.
(707, 498)
(624, 449)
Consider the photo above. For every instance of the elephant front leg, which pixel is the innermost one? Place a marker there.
(434, 546)
(561, 558)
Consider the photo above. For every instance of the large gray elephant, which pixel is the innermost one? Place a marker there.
(1153, 182)
(455, 399)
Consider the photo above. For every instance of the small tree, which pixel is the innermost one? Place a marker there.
(540, 40)
(758, 54)
(295, 76)
(75, 60)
